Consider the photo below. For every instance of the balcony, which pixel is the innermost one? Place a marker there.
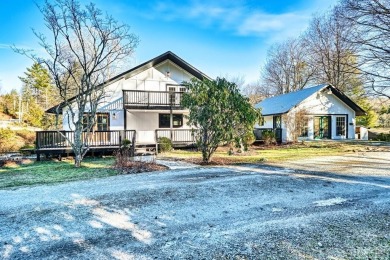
(139, 99)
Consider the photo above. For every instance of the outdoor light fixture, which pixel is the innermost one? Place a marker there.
(114, 115)
(168, 74)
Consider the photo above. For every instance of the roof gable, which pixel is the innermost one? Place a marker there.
(284, 103)
(158, 60)
(142, 67)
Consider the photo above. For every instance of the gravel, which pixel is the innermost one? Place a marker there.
(309, 209)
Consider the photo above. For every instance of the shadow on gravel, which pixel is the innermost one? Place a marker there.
(382, 182)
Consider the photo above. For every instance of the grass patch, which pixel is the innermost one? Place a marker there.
(47, 172)
(272, 154)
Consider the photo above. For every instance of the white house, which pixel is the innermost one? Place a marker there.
(145, 99)
(329, 114)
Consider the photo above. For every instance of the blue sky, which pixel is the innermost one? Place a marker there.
(221, 38)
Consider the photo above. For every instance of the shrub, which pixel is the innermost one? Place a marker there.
(9, 142)
(164, 144)
(383, 137)
(124, 153)
(269, 137)
(28, 136)
(248, 139)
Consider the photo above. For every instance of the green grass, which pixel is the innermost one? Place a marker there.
(47, 172)
(272, 153)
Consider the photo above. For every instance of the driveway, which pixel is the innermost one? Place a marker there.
(300, 210)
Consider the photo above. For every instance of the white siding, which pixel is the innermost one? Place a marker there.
(325, 104)
(151, 79)
(319, 104)
(268, 122)
(146, 122)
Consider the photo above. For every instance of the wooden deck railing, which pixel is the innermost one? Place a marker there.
(151, 99)
(177, 135)
(57, 140)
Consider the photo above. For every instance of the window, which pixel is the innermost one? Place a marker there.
(340, 126)
(86, 121)
(172, 95)
(304, 132)
(261, 121)
(101, 123)
(165, 120)
(277, 122)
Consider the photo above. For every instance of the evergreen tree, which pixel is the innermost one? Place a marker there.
(38, 94)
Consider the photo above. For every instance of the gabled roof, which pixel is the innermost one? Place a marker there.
(144, 66)
(159, 59)
(284, 103)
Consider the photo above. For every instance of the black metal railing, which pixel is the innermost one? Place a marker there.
(63, 139)
(258, 132)
(149, 99)
(177, 135)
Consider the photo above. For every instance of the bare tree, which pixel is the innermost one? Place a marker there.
(286, 69)
(371, 36)
(256, 92)
(83, 49)
(296, 123)
(330, 51)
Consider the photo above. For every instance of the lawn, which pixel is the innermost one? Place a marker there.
(53, 171)
(46, 172)
(270, 154)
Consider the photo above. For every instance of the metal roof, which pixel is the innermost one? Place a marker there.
(281, 104)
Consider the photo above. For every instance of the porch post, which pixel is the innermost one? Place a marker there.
(171, 124)
(125, 119)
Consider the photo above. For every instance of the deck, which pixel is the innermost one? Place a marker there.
(138, 99)
(103, 142)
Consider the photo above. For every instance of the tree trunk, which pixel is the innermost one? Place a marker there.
(77, 160)
(205, 155)
(77, 149)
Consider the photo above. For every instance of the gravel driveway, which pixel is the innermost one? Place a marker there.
(309, 210)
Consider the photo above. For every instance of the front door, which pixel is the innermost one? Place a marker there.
(321, 127)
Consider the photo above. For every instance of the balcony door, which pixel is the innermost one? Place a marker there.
(174, 94)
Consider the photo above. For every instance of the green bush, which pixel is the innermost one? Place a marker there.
(248, 139)
(383, 137)
(269, 137)
(164, 144)
(9, 142)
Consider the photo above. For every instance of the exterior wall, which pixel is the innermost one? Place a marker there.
(326, 104)
(151, 79)
(117, 120)
(268, 122)
(319, 104)
(146, 122)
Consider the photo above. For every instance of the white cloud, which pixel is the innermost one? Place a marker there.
(4, 46)
(237, 17)
(260, 23)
